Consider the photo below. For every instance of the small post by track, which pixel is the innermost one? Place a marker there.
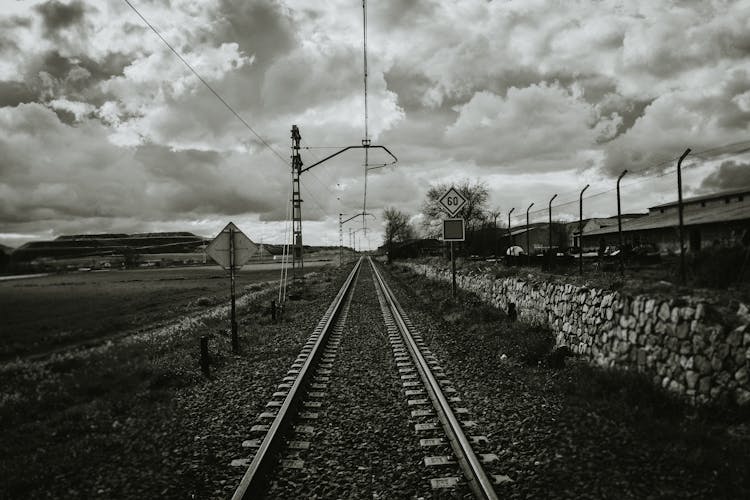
(232, 267)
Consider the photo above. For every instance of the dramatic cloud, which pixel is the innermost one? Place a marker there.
(103, 128)
(537, 122)
(58, 15)
(729, 175)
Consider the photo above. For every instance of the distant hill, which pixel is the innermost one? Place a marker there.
(86, 245)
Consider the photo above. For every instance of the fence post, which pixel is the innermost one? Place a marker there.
(619, 225)
(680, 210)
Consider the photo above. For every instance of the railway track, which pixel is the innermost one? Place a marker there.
(308, 406)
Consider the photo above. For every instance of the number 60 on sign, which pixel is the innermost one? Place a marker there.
(452, 201)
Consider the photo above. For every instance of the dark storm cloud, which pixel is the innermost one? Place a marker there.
(50, 75)
(65, 116)
(260, 28)
(55, 64)
(402, 13)
(408, 86)
(202, 182)
(57, 16)
(60, 66)
(14, 93)
(729, 175)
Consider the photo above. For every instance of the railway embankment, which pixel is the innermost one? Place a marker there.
(690, 345)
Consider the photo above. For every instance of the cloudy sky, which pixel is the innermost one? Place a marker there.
(104, 129)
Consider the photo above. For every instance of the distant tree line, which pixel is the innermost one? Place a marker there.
(483, 224)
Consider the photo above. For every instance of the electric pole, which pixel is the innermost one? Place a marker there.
(296, 203)
(366, 140)
(341, 241)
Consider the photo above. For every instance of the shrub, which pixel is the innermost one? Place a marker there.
(718, 267)
(529, 344)
(203, 301)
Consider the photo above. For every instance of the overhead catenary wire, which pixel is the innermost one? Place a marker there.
(610, 190)
(208, 86)
(314, 198)
(323, 184)
(285, 253)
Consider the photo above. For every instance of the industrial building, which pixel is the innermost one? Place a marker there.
(719, 219)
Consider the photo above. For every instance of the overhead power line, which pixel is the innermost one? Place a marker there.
(735, 148)
(204, 82)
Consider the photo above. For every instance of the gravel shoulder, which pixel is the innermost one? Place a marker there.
(136, 419)
(576, 432)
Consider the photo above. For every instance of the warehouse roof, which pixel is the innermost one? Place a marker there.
(705, 197)
(708, 215)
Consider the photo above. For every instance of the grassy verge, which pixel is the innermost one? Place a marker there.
(659, 279)
(42, 314)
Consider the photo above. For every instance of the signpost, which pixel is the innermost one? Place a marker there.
(453, 228)
(231, 249)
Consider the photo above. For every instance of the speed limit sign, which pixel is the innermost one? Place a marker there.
(452, 201)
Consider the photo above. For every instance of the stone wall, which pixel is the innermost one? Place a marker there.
(681, 342)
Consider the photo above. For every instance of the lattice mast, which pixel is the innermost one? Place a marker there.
(297, 254)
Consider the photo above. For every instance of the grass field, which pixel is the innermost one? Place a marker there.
(135, 418)
(47, 313)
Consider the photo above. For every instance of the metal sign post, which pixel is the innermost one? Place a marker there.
(231, 249)
(453, 229)
(453, 272)
(235, 340)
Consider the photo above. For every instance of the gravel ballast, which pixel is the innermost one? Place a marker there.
(363, 445)
(555, 444)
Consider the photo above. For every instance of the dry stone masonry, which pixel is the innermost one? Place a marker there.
(703, 357)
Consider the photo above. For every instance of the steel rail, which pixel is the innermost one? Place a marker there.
(478, 481)
(252, 482)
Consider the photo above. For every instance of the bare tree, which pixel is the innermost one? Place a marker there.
(494, 214)
(476, 194)
(397, 228)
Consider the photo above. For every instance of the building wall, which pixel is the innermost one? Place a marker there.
(668, 239)
(539, 238)
(703, 357)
